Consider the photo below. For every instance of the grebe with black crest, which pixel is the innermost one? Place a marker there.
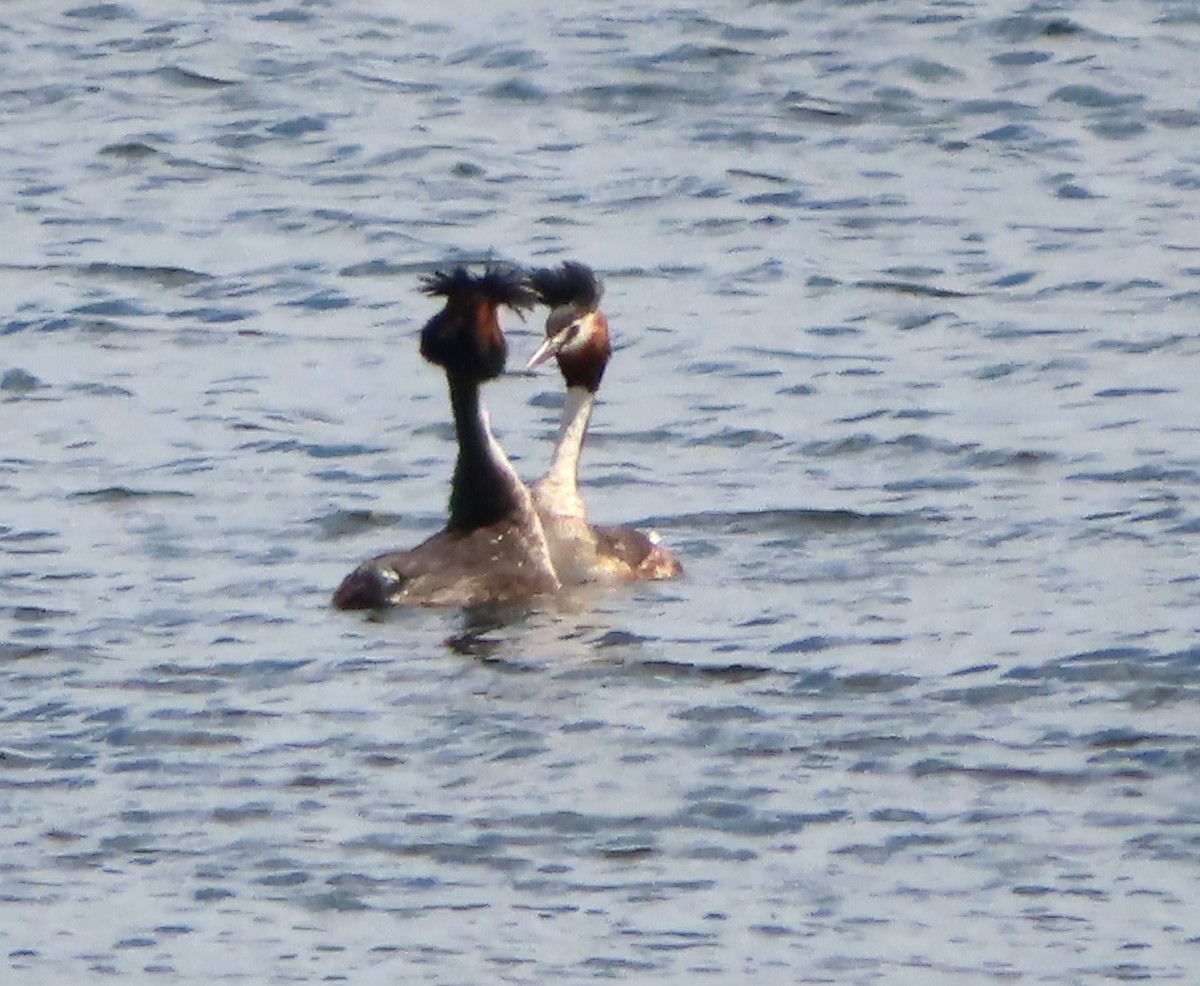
(577, 337)
(493, 548)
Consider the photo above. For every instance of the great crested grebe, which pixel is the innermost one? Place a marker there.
(577, 336)
(492, 549)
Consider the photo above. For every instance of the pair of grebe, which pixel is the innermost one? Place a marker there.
(502, 542)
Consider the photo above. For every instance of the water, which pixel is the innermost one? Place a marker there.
(906, 304)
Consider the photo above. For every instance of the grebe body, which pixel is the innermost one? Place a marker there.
(493, 548)
(577, 337)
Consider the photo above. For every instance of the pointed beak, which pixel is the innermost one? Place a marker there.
(549, 347)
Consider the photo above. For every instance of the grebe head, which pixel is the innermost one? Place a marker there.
(576, 329)
(465, 337)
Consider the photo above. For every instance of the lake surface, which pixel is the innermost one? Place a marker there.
(906, 300)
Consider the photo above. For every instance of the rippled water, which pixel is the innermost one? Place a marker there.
(906, 299)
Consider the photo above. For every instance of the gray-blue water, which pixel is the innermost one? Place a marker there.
(907, 301)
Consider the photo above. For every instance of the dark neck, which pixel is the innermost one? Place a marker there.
(484, 489)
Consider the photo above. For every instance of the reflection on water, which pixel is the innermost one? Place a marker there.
(903, 303)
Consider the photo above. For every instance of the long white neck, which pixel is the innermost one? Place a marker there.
(560, 486)
(557, 500)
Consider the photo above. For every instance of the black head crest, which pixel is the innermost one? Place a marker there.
(499, 284)
(465, 337)
(570, 283)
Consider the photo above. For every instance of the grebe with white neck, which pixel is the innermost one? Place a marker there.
(493, 548)
(577, 337)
